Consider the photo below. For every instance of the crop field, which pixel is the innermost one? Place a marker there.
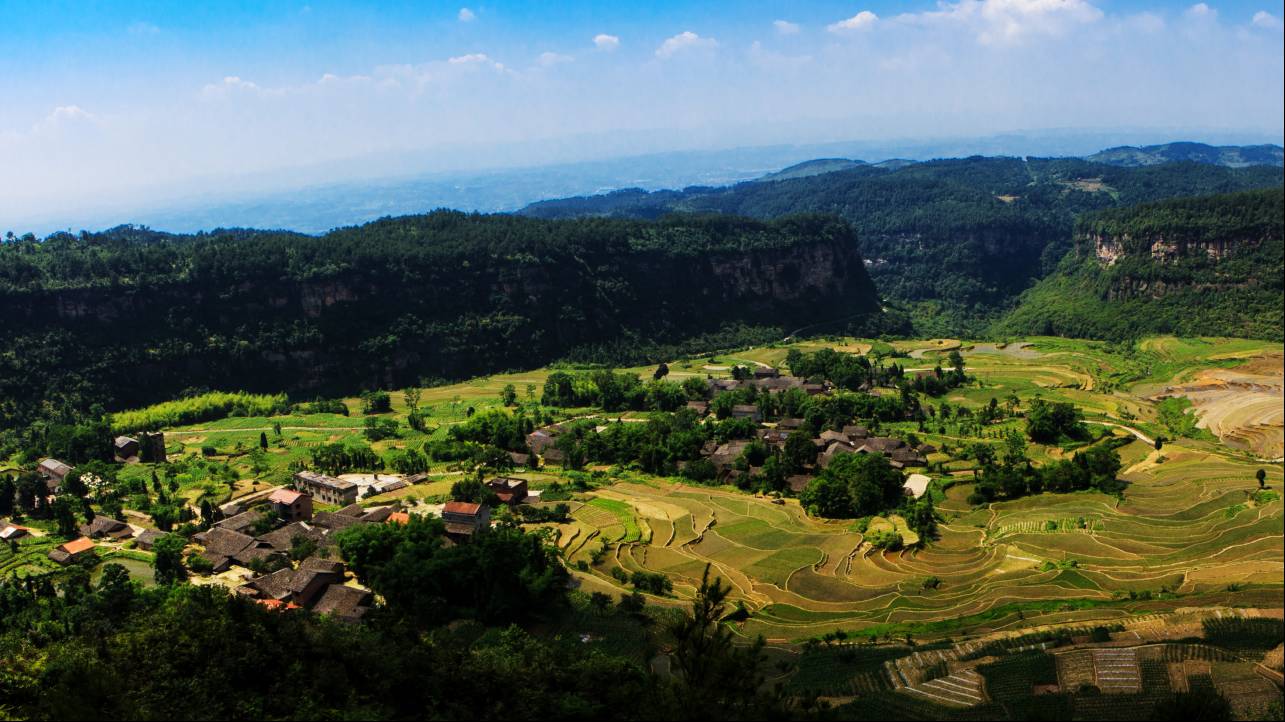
(1190, 530)
(1189, 525)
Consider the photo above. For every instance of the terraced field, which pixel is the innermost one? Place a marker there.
(1189, 524)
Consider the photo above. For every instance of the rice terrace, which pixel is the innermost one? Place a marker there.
(1173, 578)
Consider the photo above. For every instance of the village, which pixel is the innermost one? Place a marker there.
(277, 545)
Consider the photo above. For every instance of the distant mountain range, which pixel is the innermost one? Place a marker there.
(1232, 156)
(255, 202)
(1128, 156)
(954, 242)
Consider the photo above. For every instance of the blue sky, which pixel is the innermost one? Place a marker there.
(107, 101)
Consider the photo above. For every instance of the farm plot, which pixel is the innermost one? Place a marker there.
(1189, 524)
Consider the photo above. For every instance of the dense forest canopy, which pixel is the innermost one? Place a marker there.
(965, 236)
(1199, 266)
(132, 316)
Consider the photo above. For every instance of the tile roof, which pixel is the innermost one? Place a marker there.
(76, 546)
(348, 603)
(462, 507)
(285, 496)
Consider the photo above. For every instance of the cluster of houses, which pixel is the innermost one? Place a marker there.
(341, 492)
(853, 439)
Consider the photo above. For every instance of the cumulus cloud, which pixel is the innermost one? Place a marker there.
(604, 41)
(466, 15)
(686, 40)
(785, 27)
(547, 59)
(1007, 22)
(1264, 19)
(476, 60)
(863, 20)
(63, 116)
(1201, 10)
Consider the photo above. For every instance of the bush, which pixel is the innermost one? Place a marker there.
(195, 409)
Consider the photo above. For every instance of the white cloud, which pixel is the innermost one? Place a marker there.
(686, 40)
(475, 59)
(785, 27)
(1201, 10)
(1264, 19)
(604, 41)
(466, 15)
(1008, 22)
(229, 84)
(63, 116)
(863, 20)
(547, 59)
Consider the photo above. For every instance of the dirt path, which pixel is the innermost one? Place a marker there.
(1141, 436)
(268, 428)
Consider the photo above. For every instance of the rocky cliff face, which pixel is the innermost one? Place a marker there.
(1109, 249)
(366, 327)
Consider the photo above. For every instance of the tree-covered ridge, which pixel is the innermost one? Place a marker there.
(1200, 266)
(967, 234)
(1233, 156)
(131, 256)
(1242, 218)
(130, 316)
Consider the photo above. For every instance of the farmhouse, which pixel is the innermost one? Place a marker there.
(291, 505)
(147, 539)
(833, 450)
(829, 436)
(301, 586)
(327, 488)
(700, 407)
(13, 531)
(727, 454)
(54, 473)
(151, 448)
(343, 602)
(766, 372)
(104, 526)
(790, 424)
(224, 547)
(773, 437)
(747, 411)
(463, 519)
(541, 440)
(72, 551)
(856, 432)
(778, 383)
(511, 491)
(126, 447)
(241, 523)
(716, 386)
(283, 539)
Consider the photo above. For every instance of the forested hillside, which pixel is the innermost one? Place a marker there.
(1232, 156)
(1192, 267)
(957, 239)
(129, 317)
